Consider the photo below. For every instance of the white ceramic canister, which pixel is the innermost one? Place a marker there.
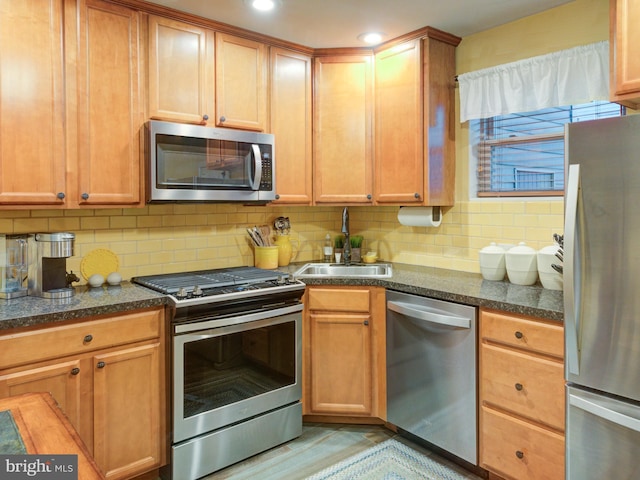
(522, 265)
(492, 262)
(549, 278)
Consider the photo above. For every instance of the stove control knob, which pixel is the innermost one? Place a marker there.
(181, 293)
(197, 291)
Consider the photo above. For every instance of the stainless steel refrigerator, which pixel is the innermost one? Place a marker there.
(602, 299)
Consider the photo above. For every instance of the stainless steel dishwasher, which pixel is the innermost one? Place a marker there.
(431, 371)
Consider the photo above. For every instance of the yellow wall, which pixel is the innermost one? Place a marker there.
(170, 238)
(473, 224)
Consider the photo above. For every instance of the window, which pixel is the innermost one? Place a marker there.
(522, 154)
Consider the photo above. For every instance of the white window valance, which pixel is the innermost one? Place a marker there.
(573, 76)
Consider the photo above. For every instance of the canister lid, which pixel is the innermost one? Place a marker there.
(55, 237)
(492, 248)
(521, 249)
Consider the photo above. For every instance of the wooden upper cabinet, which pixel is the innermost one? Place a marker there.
(625, 52)
(181, 71)
(398, 130)
(343, 117)
(415, 140)
(439, 67)
(32, 142)
(290, 122)
(109, 109)
(241, 83)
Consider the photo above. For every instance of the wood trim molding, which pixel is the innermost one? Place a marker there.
(154, 9)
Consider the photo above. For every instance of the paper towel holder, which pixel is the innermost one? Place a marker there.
(420, 216)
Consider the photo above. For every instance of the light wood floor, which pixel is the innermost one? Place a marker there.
(319, 446)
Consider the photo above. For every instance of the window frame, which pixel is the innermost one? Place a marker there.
(479, 161)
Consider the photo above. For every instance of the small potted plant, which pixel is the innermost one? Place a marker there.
(356, 247)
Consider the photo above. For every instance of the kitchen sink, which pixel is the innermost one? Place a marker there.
(359, 270)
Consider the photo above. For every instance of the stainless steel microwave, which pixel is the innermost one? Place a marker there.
(192, 163)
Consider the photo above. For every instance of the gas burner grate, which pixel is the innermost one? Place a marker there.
(170, 283)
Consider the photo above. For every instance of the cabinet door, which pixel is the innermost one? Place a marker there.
(32, 146)
(343, 104)
(181, 71)
(241, 84)
(127, 411)
(399, 152)
(67, 381)
(291, 125)
(625, 61)
(109, 113)
(439, 67)
(340, 361)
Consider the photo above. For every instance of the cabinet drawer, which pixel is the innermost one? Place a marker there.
(515, 449)
(339, 300)
(59, 341)
(521, 332)
(529, 386)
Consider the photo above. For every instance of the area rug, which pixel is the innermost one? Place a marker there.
(389, 460)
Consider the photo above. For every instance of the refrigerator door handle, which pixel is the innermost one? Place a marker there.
(605, 413)
(571, 324)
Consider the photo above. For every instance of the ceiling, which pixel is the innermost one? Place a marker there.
(337, 23)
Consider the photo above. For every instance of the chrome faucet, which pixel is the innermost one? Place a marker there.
(346, 253)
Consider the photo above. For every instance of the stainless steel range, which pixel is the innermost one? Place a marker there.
(236, 365)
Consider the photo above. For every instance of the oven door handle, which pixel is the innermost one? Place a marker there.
(271, 313)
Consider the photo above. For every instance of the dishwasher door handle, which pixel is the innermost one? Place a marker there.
(428, 315)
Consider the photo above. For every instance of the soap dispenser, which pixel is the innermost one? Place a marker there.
(328, 249)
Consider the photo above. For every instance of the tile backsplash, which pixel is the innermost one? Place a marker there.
(171, 238)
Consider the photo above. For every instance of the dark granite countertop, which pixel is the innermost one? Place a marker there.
(459, 287)
(451, 285)
(87, 302)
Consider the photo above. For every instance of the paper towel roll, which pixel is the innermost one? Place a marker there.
(420, 216)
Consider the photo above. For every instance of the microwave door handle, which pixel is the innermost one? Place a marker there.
(257, 163)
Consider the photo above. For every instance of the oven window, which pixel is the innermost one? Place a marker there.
(226, 369)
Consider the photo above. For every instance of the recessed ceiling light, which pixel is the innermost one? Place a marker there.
(263, 5)
(370, 38)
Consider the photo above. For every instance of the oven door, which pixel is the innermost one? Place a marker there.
(229, 370)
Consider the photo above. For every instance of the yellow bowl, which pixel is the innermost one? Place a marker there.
(370, 259)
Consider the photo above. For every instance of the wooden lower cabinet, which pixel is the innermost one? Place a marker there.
(343, 345)
(521, 397)
(517, 449)
(107, 376)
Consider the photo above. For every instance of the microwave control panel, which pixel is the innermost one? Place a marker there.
(266, 182)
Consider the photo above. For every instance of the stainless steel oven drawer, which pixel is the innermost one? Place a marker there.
(213, 451)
